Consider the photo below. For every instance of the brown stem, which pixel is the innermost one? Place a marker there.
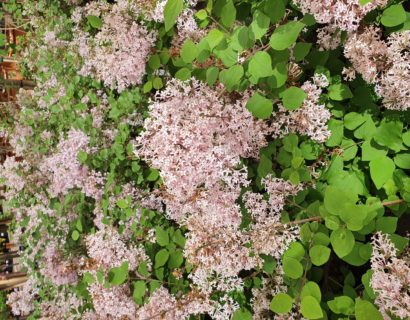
(393, 202)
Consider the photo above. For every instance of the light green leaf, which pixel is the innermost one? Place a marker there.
(342, 241)
(162, 236)
(342, 305)
(228, 14)
(393, 15)
(259, 25)
(311, 289)
(292, 268)
(260, 66)
(118, 275)
(402, 160)
(231, 77)
(285, 35)
(242, 314)
(310, 308)
(189, 51)
(319, 254)
(139, 291)
(161, 258)
(381, 170)
(293, 98)
(171, 12)
(94, 21)
(259, 106)
(183, 74)
(281, 303)
(339, 92)
(75, 235)
(365, 310)
(214, 37)
(389, 134)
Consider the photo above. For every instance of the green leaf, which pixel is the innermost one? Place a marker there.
(275, 9)
(389, 134)
(161, 258)
(122, 203)
(171, 12)
(118, 275)
(242, 314)
(343, 304)
(363, 2)
(319, 254)
(154, 62)
(381, 170)
(406, 138)
(259, 25)
(139, 291)
(228, 14)
(82, 156)
(183, 74)
(189, 51)
(310, 308)
(214, 37)
(293, 98)
(301, 50)
(339, 92)
(387, 224)
(175, 259)
(337, 129)
(231, 77)
(279, 75)
(212, 74)
(259, 106)
(75, 235)
(336, 199)
(162, 236)
(178, 238)
(365, 310)
(260, 66)
(285, 35)
(88, 278)
(269, 264)
(281, 303)
(94, 21)
(153, 175)
(311, 289)
(295, 250)
(402, 160)
(342, 241)
(292, 268)
(352, 120)
(157, 83)
(371, 150)
(393, 15)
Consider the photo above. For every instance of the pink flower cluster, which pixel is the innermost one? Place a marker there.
(118, 53)
(383, 63)
(109, 250)
(60, 271)
(196, 139)
(344, 14)
(66, 171)
(310, 119)
(391, 278)
(21, 300)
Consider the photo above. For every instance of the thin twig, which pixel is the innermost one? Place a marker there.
(392, 203)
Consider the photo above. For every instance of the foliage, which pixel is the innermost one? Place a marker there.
(220, 158)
